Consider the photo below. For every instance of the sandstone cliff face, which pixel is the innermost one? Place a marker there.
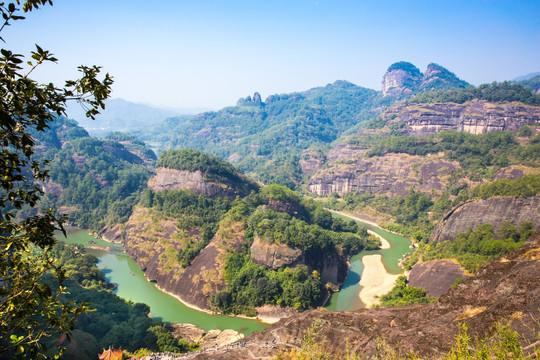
(392, 174)
(169, 179)
(508, 289)
(332, 267)
(310, 162)
(154, 243)
(492, 211)
(274, 256)
(401, 79)
(476, 117)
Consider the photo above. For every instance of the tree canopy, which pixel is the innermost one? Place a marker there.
(30, 309)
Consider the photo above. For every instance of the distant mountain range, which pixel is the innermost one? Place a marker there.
(526, 77)
(123, 115)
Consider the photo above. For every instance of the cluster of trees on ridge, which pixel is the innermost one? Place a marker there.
(505, 91)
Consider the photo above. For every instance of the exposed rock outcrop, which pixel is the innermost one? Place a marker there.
(492, 211)
(401, 78)
(170, 179)
(114, 234)
(212, 338)
(476, 117)
(332, 267)
(392, 174)
(248, 100)
(438, 77)
(436, 276)
(274, 256)
(311, 161)
(505, 289)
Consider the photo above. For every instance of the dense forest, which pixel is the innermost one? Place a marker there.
(97, 182)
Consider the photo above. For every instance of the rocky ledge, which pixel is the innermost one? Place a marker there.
(170, 179)
(476, 117)
(392, 174)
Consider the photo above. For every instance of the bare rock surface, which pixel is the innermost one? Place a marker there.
(475, 117)
(170, 179)
(392, 174)
(273, 256)
(492, 211)
(206, 339)
(436, 276)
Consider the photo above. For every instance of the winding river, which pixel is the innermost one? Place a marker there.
(131, 283)
(123, 271)
(347, 298)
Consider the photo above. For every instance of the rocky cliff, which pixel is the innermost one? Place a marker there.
(403, 79)
(332, 267)
(476, 117)
(507, 289)
(492, 211)
(274, 256)
(154, 242)
(170, 179)
(392, 174)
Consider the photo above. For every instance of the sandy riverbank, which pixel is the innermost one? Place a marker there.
(384, 243)
(375, 280)
(355, 217)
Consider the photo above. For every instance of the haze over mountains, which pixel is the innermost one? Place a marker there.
(418, 157)
(122, 115)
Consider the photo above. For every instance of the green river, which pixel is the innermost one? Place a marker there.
(118, 268)
(347, 297)
(131, 283)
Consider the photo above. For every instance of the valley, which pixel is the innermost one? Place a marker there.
(250, 212)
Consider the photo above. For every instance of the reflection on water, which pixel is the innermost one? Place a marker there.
(122, 271)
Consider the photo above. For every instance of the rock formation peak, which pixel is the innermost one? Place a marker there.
(401, 78)
(404, 79)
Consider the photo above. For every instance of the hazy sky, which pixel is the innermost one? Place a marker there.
(202, 53)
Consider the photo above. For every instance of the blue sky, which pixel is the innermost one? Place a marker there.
(203, 53)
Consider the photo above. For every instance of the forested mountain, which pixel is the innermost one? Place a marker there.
(96, 182)
(235, 254)
(219, 240)
(254, 133)
(265, 138)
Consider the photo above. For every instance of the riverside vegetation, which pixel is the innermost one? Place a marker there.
(101, 182)
(110, 319)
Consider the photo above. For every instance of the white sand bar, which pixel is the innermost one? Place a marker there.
(384, 243)
(375, 280)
